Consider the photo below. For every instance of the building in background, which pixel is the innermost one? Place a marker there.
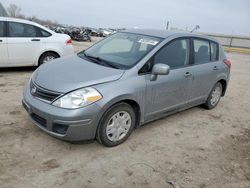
(3, 12)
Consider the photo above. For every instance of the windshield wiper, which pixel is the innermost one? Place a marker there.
(100, 61)
(107, 63)
(92, 58)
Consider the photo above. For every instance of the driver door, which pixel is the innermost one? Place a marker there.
(169, 92)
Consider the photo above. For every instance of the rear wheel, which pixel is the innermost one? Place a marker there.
(214, 96)
(116, 125)
(46, 57)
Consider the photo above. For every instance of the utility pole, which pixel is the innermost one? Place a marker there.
(167, 25)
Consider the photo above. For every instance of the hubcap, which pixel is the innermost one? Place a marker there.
(48, 58)
(216, 94)
(118, 126)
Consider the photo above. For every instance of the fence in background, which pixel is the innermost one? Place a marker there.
(232, 41)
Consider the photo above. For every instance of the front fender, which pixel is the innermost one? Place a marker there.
(132, 88)
(106, 106)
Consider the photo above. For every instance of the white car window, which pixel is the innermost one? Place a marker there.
(21, 30)
(44, 33)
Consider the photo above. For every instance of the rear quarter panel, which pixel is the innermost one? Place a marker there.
(57, 43)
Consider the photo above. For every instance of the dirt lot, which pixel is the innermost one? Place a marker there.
(195, 148)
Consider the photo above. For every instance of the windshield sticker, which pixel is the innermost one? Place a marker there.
(150, 42)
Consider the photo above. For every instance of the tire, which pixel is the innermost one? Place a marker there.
(48, 56)
(109, 132)
(214, 96)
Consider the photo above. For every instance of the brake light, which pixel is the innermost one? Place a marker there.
(228, 63)
(69, 42)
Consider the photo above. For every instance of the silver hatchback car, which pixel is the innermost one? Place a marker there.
(124, 81)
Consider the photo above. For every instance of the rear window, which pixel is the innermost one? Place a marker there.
(201, 51)
(42, 33)
(214, 51)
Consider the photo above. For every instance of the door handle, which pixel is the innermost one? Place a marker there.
(187, 74)
(35, 39)
(215, 68)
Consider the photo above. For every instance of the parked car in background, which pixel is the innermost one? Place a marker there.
(124, 81)
(106, 32)
(25, 43)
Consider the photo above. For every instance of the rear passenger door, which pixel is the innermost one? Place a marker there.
(24, 44)
(204, 69)
(3, 45)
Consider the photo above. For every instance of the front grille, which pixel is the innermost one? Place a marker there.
(43, 94)
(41, 121)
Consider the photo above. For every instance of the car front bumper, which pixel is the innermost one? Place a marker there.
(66, 124)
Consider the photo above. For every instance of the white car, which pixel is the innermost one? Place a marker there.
(25, 43)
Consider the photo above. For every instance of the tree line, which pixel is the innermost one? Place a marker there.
(16, 12)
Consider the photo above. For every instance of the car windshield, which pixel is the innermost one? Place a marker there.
(120, 50)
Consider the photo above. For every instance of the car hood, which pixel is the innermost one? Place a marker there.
(72, 72)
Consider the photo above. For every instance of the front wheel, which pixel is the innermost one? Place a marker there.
(214, 96)
(116, 125)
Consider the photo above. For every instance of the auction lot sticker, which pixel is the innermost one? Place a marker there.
(150, 42)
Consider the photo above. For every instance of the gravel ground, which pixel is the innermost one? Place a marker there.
(194, 148)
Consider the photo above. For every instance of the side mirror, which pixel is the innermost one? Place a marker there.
(159, 69)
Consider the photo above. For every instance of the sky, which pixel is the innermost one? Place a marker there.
(213, 16)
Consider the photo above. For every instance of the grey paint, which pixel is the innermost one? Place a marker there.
(74, 73)
(165, 95)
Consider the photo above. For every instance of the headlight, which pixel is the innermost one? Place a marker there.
(78, 98)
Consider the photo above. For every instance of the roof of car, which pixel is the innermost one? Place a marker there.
(151, 32)
(10, 19)
(15, 19)
(166, 33)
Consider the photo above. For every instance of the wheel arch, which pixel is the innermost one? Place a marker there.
(122, 99)
(130, 101)
(47, 51)
(224, 86)
(136, 107)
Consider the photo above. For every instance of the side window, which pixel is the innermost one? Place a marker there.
(201, 51)
(42, 33)
(1, 29)
(21, 30)
(45, 33)
(175, 54)
(214, 51)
